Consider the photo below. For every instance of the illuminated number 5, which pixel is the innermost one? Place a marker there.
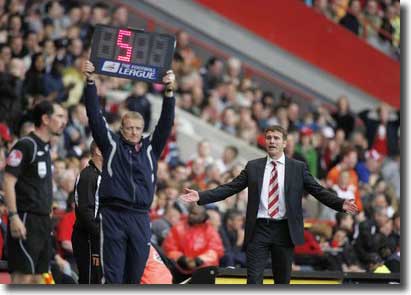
(127, 56)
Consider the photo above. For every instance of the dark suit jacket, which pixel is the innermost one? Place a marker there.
(297, 180)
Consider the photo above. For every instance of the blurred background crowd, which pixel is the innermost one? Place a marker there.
(378, 22)
(42, 47)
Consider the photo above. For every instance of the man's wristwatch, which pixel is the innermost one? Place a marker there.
(12, 213)
(90, 81)
(169, 93)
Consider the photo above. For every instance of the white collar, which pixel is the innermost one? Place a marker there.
(281, 160)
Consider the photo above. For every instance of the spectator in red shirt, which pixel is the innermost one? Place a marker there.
(64, 231)
(194, 243)
(311, 254)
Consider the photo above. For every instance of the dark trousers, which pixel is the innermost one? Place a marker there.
(126, 244)
(233, 258)
(86, 251)
(270, 237)
(32, 255)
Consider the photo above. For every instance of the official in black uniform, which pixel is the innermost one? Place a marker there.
(28, 195)
(86, 231)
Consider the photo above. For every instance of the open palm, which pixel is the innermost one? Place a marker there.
(190, 195)
(350, 207)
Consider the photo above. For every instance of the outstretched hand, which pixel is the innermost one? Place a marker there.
(190, 196)
(350, 207)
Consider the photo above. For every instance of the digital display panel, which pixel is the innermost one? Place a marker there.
(131, 54)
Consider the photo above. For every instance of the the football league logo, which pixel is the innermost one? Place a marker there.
(110, 66)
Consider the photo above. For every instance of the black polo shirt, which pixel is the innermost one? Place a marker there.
(29, 161)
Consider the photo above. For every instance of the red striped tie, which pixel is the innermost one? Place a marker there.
(273, 193)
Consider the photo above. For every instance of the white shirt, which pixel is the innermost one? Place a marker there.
(263, 206)
(346, 194)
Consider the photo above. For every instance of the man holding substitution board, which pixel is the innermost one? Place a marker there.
(130, 160)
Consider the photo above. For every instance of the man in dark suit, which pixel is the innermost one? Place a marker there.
(274, 220)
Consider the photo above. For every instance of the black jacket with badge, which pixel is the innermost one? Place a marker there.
(29, 161)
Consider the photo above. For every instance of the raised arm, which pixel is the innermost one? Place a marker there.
(97, 122)
(165, 123)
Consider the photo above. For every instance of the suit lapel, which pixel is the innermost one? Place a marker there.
(260, 168)
(287, 175)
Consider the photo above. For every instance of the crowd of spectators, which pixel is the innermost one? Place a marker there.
(42, 47)
(377, 21)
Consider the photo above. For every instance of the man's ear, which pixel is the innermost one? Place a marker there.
(45, 119)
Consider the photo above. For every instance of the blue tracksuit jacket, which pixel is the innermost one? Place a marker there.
(129, 176)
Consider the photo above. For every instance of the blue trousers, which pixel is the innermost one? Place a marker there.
(125, 241)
